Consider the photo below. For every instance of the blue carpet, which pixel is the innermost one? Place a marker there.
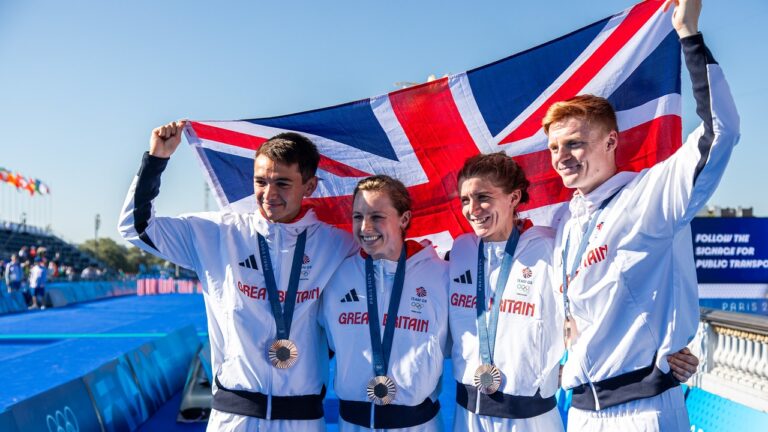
(43, 349)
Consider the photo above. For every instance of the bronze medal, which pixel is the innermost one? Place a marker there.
(487, 379)
(283, 353)
(381, 390)
(570, 332)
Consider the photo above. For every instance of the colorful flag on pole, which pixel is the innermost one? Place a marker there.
(422, 135)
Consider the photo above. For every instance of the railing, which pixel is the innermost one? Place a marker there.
(733, 351)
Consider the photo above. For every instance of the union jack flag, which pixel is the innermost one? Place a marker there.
(422, 134)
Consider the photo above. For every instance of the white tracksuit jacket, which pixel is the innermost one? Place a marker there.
(419, 344)
(223, 249)
(529, 341)
(635, 294)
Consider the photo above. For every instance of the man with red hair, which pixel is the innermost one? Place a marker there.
(623, 254)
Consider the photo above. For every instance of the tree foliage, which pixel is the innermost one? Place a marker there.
(118, 256)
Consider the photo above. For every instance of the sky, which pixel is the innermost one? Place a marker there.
(83, 83)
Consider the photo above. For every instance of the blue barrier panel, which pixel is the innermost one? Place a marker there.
(13, 302)
(205, 359)
(116, 396)
(7, 422)
(145, 363)
(730, 250)
(176, 352)
(17, 299)
(63, 408)
(55, 297)
(709, 413)
(160, 366)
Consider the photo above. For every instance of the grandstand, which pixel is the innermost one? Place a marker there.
(14, 236)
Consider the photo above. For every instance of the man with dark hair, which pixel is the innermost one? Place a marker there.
(262, 275)
(13, 274)
(624, 257)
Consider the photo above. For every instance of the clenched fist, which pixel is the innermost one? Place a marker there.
(165, 139)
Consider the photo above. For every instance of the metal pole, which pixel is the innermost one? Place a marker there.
(96, 225)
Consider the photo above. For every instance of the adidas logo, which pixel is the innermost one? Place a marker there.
(466, 278)
(250, 263)
(351, 297)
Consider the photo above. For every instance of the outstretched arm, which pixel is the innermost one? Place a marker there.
(169, 238)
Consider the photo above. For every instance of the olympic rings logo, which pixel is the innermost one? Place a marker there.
(62, 421)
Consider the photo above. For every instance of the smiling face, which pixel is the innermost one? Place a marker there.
(583, 154)
(279, 188)
(377, 226)
(489, 210)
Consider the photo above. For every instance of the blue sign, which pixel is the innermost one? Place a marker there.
(730, 250)
(741, 305)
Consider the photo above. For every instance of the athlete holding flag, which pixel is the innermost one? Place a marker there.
(262, 275)
(629, 293)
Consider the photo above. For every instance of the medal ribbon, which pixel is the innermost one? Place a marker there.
(283, 315)
(486, 328)
(382, 349)
(579, 253)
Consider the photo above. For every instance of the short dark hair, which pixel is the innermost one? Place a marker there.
(500, 169)
(292, 148)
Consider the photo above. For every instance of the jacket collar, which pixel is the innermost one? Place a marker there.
(582, 206)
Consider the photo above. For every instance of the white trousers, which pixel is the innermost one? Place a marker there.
(662, 413)
(225, 422)
(466, 421)
(434, 425)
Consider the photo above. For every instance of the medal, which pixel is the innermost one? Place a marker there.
(283, 353)
(381, 390)
(570, 332)
(487, 379)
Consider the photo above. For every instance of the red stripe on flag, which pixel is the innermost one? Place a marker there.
(441, 142)
(640, 147)
(339, 169)
(226, 136)
(251, 142)
(634, 20)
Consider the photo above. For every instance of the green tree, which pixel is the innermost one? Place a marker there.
(127, 259)
(108, 251)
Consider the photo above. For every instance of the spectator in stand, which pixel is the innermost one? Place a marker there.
(3, 285)
(13, 274)
(32, 253)
(37, 278)
(23, 254)
(53, 269)
(89, 273)
(67, 272)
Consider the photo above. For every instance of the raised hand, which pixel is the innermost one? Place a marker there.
(165, 139)
(685, 18)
